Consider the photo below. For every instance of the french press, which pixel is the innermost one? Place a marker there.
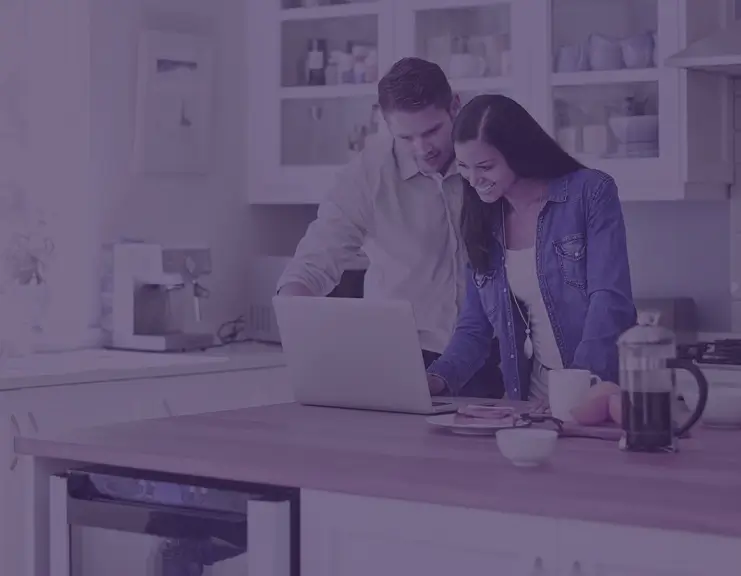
(648, 361)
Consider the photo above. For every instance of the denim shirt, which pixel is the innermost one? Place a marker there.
(583, 272)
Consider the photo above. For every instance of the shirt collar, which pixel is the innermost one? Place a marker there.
(408, 166)
(559, 190)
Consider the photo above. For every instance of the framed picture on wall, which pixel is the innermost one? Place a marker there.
(173, 104)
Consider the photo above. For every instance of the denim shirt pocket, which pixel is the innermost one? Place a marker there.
(572, 258)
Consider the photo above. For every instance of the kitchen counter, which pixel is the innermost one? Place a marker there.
(399, 457)
(102, 365)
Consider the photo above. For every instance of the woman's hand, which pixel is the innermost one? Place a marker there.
(596, 407)
(436, 384)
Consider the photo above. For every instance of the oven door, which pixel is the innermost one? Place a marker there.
(100, 536)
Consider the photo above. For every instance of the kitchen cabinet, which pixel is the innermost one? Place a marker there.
(588, 549)
(608, 98)
(225, 391)
(344, 534)
(54, 409)
(590, 71)
(297, 132)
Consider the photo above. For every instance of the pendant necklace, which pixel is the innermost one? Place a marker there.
(527, 348)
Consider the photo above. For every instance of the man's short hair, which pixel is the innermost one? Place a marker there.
(413, 84)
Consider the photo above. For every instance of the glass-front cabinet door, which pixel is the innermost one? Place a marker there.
(476, 43)
(319, 106)
(609, 103)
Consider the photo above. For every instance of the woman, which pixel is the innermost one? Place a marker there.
(545, 238)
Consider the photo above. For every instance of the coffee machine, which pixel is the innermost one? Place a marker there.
(148, 283)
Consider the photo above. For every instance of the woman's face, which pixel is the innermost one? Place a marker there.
(485, 169)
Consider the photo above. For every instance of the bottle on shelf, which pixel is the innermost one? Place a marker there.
(316, 62)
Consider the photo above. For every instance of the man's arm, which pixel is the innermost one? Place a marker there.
(295, 289)
(333, 239)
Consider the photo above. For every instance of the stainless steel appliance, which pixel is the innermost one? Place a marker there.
(724, 352)
(148, 280)
(120, 522)
(676, 314)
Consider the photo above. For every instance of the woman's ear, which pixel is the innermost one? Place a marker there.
(455, 106)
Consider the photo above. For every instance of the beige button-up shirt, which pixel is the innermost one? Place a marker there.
(408, 225)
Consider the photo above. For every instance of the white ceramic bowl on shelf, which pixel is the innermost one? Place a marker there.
(635, 129)
(527, 447)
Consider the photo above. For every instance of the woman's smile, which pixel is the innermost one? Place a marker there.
(485, 188)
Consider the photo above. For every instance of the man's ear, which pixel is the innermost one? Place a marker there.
(455, 105)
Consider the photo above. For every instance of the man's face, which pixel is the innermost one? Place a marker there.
(426, 135)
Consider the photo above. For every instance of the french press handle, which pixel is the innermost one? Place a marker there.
(702, 384)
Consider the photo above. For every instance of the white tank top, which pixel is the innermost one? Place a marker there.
(523, 280)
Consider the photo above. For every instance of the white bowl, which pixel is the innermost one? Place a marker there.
(527, 447)
(723, 408)
(633, 129)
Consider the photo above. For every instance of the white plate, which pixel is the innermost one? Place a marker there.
(456, 424)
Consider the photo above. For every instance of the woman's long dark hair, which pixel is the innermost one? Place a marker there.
(528, 150)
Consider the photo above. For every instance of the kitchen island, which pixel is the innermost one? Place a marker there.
(384, 494)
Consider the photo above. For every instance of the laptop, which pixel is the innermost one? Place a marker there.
(355, 353)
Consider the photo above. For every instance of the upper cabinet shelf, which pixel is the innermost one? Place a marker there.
(318, 10)
(594, 78)
(590, 71)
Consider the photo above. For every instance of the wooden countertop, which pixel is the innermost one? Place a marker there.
(400, 456)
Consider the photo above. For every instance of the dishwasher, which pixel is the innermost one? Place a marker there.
(109, 521)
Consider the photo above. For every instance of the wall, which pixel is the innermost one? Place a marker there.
(44, 172)
(735, 220)
(676, 248)
(172, 210)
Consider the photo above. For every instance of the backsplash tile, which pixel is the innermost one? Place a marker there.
(682, 249)
(735, 265)
(735, 219)
(736, 315)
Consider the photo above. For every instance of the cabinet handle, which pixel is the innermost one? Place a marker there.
(14, 422)
(32, 420)
(167, 408)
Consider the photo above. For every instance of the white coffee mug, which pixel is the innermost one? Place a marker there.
(567, 389)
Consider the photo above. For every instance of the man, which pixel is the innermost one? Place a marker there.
(400, 202)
